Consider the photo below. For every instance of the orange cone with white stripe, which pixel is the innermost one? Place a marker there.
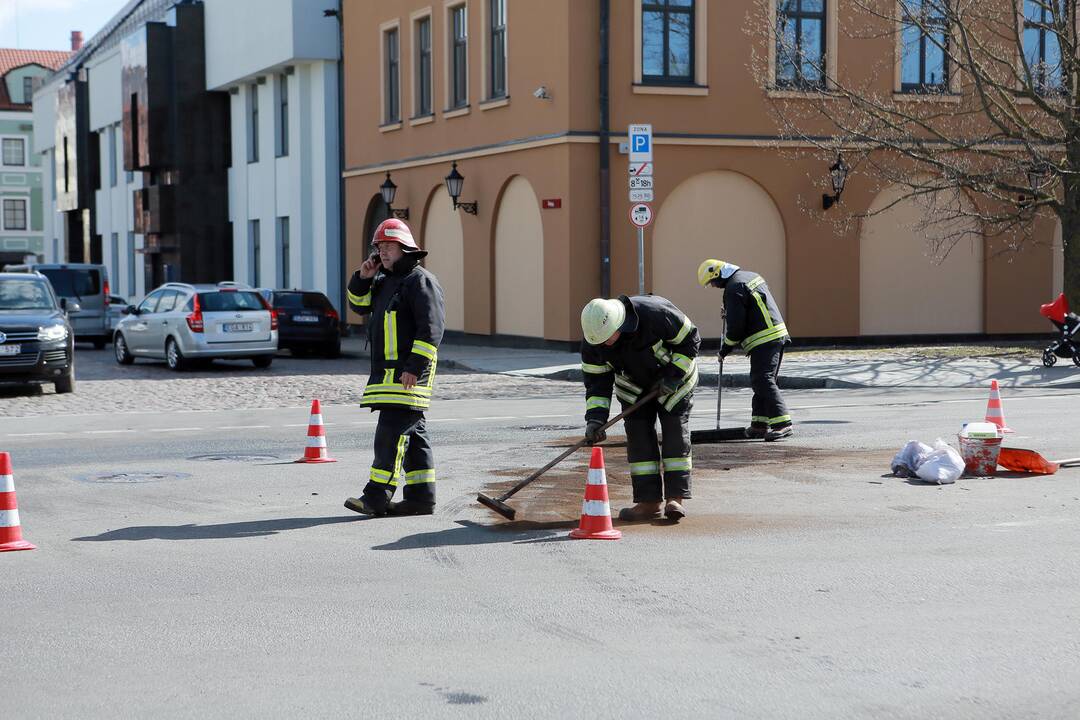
(995, 413)
(10, 531)
(315, 452)
(595, 510)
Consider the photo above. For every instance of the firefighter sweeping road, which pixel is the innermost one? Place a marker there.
(187, 567)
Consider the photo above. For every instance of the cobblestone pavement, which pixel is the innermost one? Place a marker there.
(104, 386)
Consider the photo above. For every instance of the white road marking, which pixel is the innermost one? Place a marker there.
(106, 432)
(295, 425)
(242, 427)
(41, 434)
(495, 417)
(550, 416)
(165, 430)
(364, 422)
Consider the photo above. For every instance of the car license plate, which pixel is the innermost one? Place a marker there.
(305, 318)
(237, 327)
(10, 349)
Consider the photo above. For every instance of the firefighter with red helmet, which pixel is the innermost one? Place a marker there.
(406, 318)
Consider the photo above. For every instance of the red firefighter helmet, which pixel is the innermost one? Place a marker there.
(394, 230)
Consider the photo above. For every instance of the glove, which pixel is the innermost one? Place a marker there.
(726, 350)
(667, 385)
(594, 432)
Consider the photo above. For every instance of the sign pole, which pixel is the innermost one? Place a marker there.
(641, 190)
(641, 260)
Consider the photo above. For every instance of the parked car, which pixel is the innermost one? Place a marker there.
(115, 312)
(307, 322)
(36, 341)
(182, 323)
(85, 287)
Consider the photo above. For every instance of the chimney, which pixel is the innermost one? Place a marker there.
(76, 40)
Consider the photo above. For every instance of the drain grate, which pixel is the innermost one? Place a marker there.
(136, 476)
(233, 457)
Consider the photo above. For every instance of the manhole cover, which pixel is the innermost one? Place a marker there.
(551, 427)
(136, 476)
(229, 457)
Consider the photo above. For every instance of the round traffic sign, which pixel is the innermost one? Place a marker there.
(640, 215)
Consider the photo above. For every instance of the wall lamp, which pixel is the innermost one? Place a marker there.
(389, 191)
(838, 173)
(454, 182)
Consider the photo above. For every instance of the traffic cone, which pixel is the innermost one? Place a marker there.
(10, 530)
(995, 413)
(595, 510)
(315, 452)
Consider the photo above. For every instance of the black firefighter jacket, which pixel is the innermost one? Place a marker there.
(658, 341)
(404, 330)
(753, 318)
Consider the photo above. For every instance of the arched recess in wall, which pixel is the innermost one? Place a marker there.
(717, 214)
(376, 213)
(904, 290)
(519, 262)
(444, 241)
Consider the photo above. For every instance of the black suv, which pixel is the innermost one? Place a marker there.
(36, 342)
(307, 322)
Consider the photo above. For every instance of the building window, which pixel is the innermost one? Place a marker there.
(28, 90)
(667, 41)
(800, 43)
(924, 41)
(1042, 46)
(423, 67)
(283, 116)
(114, 246)
(112, 155)
(459, 59)
(15, 213)
(391, 63)
(283, 249)
(255, 251)
(131, 264)
(14, 152)
(497, 50)
(253, 123)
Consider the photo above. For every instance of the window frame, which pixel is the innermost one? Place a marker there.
(1044, 27)
(495, 60)
(255, 250)
(28, 89)
(25, 202)
(282, 83)
(456, 71)
(284, 248)
(922, 87)
(799, 84)
(253, 123)
(391, 45)
(666, 78)
(113, 165)
(4, 140)
(422, 90)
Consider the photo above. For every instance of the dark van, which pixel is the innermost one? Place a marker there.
(85, 291)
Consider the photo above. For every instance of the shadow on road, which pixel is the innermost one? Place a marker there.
(255, 528)
(470, 533)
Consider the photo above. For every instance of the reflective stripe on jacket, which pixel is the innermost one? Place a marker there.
(405, 326)
(753, 317)
(658, 342)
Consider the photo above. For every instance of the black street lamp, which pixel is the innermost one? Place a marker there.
(454, 183)
(1037, 175)
(838, 173)
(389, 191)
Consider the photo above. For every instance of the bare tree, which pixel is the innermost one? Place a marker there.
(970, 107)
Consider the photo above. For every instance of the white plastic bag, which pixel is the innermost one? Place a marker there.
(942, 466)
(910, 457)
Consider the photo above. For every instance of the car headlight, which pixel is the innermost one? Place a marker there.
(52, 332)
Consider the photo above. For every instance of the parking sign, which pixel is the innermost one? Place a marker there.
(640, 143)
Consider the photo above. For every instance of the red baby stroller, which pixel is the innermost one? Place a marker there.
(1068, 323)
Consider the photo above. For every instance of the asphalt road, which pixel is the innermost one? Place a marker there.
(186, 569)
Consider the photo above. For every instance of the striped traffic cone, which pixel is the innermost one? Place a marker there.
(315, 452)
(995, 413)
(595, 510)
(10, 530)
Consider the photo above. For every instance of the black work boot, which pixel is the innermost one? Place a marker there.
(364, 506)
(641, 512)
(411, 507)
(757, 432)
(778, 432)
(673, 509)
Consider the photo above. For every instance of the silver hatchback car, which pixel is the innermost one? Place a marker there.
(183, 323)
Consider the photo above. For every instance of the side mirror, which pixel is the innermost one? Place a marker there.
(130, 310)
(63, 304)
(73, 307)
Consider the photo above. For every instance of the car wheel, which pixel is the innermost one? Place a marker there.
(66, 384)
(333, 350)
(173, 357)
(100, 342)
(120, 349)
(263, 361)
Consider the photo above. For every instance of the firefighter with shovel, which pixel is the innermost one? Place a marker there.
(755, 324)
(635, 346)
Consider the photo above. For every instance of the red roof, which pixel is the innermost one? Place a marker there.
(11, 58)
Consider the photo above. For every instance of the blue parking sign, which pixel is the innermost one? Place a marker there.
(640, 143)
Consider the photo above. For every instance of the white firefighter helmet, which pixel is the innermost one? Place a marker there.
(712, 269)
(601, 318)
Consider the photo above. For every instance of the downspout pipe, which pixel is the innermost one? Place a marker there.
(605, 156)
(344, 308)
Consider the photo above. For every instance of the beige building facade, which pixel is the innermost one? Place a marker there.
(510, 90)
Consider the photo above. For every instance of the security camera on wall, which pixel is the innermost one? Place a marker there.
(541, 93)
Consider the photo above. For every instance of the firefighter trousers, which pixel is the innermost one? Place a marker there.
(649, 456)
(767, 408)
(402, 457)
